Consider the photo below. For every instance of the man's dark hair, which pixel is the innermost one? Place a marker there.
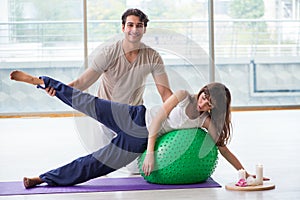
(136, 12)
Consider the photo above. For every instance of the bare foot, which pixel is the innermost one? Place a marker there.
(31, 182)
(23, 77)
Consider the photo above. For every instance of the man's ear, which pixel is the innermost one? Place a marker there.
(123, 27)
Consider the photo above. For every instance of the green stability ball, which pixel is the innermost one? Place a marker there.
(183, 156)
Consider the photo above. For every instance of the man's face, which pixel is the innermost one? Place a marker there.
(134, 29)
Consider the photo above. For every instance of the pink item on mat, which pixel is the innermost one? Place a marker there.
(241, 183)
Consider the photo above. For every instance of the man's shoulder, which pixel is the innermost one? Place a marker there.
(114, 45)
(148, 49)
(112, 48)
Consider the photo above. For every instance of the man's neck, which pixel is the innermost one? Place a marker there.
(131, 48)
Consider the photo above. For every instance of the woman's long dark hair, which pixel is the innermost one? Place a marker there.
(220, 114)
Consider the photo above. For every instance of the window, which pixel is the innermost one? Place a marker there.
(256, 50)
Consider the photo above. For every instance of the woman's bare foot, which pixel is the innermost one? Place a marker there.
(23, 77)
(31, 182)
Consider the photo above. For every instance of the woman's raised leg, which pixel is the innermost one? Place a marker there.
(24, 77)
(102, 110)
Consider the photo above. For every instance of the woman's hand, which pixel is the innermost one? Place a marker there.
(264, 178)
(148, 164)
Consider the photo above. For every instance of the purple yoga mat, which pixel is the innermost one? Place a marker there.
(99, 185)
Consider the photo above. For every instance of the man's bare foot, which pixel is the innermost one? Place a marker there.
(31, 182)
(23, 77)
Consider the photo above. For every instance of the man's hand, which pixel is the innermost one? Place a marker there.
(50, 91)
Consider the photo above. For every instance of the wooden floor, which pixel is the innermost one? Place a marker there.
(30, 146)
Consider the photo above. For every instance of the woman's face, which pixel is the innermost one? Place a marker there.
(204, 104)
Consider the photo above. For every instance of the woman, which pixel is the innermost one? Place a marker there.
(136, 128)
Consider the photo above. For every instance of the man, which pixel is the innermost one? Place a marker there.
(123, 68)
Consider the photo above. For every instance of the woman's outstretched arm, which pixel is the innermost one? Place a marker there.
(225, 152)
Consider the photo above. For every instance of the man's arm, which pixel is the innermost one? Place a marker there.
(163, 86)
(88, 77)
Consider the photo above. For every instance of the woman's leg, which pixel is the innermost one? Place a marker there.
(27, 78)
(127, 121)
(121, 151)
(76, 99)
(113, 156)
(111, 114)
(116, 116)
(31, 182)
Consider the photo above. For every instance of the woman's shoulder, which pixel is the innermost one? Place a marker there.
(181, 93)
(183, 96)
